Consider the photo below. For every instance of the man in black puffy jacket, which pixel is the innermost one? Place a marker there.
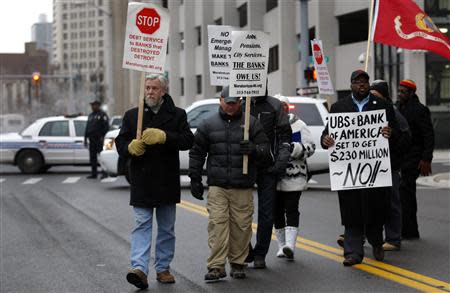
(230, 198)
(269, 111)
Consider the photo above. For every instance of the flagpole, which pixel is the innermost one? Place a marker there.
(370, 35)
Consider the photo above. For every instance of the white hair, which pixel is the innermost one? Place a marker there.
(162, 79)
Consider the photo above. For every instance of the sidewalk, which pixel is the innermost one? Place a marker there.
(440, 180)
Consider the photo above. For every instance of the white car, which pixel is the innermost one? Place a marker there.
(312, 111)
(57, 140)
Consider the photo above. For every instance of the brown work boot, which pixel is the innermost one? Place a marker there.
(165, 277)
(137, 278)
(214, 274)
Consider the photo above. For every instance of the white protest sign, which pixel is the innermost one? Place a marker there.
(146, 37)
(360, 156)
(219, 41)
(249, 63)
(323, 77)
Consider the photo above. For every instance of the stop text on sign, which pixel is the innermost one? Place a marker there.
(148, 20)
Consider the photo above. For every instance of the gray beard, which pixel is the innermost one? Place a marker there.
(154, 105)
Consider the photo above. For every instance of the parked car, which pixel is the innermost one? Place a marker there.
(57, 140)
(312, 111)
(115, 122)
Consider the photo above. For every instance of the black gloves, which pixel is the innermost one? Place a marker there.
(197, 189)
(279, 168)
(247, 147)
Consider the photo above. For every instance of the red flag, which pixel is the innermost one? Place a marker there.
(403, 24)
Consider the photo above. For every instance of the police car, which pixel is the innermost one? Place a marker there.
(57, 140)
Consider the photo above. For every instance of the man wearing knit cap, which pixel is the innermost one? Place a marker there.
(418, 156)
(393, 226)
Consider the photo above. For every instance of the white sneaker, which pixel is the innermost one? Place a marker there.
(281, 239)
(291, 239)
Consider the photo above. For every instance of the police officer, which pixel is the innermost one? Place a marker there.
(96, 128)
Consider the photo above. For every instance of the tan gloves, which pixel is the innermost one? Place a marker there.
(153, 136)
(136, 147)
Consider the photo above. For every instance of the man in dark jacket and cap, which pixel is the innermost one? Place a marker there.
(418, 155)
(155, 177)
(393, 226)
(275, 122)
(230, 197)
(363, 211)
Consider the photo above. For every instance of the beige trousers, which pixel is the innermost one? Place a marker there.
(229, 225)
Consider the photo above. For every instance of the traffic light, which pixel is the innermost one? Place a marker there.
(310, 74)
(36, 78)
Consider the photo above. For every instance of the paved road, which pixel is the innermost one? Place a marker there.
(63, 233)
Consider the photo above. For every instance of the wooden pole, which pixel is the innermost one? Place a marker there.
(246, 133)
(366, 67)
(141, 106)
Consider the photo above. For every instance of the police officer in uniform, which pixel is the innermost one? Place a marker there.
(96, 128)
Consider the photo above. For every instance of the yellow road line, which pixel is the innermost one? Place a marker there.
(383, 270)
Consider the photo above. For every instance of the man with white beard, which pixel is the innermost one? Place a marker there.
(155, 177)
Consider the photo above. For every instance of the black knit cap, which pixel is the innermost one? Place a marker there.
(381, 86)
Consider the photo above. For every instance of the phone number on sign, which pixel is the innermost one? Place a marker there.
(247, 92)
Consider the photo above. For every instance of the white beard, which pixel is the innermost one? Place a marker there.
(151, 102)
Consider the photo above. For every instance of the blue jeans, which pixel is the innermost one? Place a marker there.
(141, 238)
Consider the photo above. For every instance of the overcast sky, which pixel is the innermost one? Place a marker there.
(16, 19)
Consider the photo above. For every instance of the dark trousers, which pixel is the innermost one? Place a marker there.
(408, 199)
(267, 184)
(95, 147)
(354, 237)
(393, 227)
(286, 211)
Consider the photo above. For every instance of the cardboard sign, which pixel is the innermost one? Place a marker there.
(219, 41)
(249, 63)
(146, 37)
(323, 77)
(360, 157)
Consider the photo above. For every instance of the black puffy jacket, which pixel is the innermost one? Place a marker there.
(218, 137)
(275, 122)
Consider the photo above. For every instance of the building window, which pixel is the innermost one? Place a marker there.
(64, 26)
(218, 89)
(351, 33)
(65, 46)
(271, 4)
(100, 22)
(273, 59)
(198, 29)
(218, 21)
(199, 83)
(100, 43)
(100, 54)
(182, 86)
(181, 40)
(242, 11)
(100, 2)
(64, 16)
(165, 3)
(100, 33)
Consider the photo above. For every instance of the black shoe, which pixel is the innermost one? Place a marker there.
(215, 274)
(137, 278)
(351, 261)
(250, 257)
(340, 240)
(91, 177)
(237, 271)
(378, 252)
(259, 262)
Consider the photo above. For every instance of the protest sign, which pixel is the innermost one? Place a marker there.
(145, 45)
(249, 63)
(146, 37)
(360, 156)
(219, 41)
(323, 77)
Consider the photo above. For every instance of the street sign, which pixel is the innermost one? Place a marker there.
(148, 20)
(307, 91)
(146, 37)
(323, 77)
(219, 41)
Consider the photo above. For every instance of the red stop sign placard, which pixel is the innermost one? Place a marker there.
(148, 20)
(317, 54)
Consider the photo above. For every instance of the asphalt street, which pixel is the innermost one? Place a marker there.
(61, 232)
